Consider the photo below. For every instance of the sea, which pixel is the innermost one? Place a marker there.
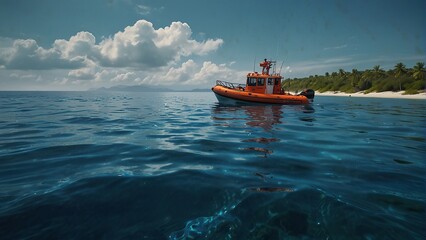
(179, 165)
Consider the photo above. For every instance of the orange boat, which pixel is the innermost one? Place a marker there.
(260, 88)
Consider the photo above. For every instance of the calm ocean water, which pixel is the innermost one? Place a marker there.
(94, 165)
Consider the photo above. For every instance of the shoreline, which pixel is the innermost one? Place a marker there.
(388, 94)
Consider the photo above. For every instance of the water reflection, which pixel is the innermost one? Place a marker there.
(263, 121)
(263, 116)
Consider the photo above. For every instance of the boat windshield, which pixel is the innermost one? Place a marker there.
(251, 81)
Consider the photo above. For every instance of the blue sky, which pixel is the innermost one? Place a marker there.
(77, 45)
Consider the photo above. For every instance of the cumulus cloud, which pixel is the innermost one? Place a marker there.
(26, 54)
(210, 72)
(139, 45)
(139, 54)
(143, 45)
(182, 73)
(82, 45)
(124, 77)
(191, 73)
(82, 73)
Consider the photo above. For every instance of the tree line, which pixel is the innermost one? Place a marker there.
(400, 78)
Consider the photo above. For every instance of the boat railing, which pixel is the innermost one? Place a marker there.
(230, 85)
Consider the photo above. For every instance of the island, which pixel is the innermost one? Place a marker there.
(399, 82)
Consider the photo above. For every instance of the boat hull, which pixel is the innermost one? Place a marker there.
(234, 96)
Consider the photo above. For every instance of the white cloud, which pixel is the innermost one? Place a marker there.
(210, 72)
(183, 73)
(138, 54)
(123, 77)
(142, 45)
(336, 47)
(188, 74)
(191, 73)
(82, 73)
(139, 45)
(23, 76)
(83, 44)
(143, 10)
(86, 73)
(105, 75)
(26, 54)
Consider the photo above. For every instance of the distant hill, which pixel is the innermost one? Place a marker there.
(134, 88)
(145, 88)
(201, 90)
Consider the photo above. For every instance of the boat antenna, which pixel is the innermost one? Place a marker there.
(254, 64)
(276, 52)
(274, 69)
(281, 67)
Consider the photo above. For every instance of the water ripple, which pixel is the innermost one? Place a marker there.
(180, 165)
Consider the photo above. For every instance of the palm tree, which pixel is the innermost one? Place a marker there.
(342, 73)
(418, 71)
(377, 72)
(355, 76)
(399, 70)
(376, 68)
(366, 80)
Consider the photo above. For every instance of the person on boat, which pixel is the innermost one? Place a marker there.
(265, 65)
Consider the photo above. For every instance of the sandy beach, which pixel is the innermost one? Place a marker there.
(375, 95)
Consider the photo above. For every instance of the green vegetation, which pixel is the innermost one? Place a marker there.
(400, 78)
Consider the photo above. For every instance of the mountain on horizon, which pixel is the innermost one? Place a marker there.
(145, 88)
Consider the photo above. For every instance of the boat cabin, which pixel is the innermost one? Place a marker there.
(264, 82)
